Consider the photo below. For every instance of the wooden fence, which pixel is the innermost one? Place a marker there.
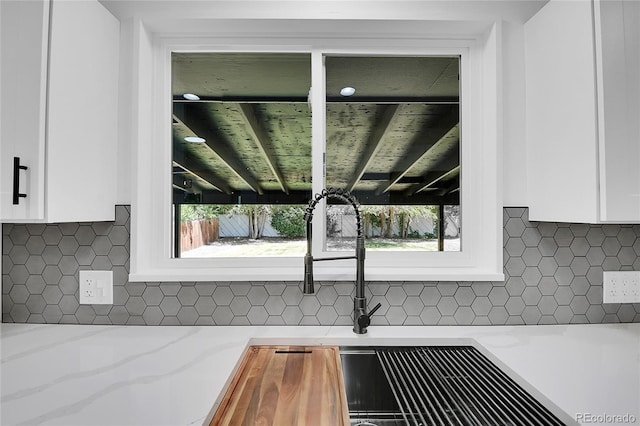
(198, 233)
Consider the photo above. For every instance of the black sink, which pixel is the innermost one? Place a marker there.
(434, 385)
(369, 396)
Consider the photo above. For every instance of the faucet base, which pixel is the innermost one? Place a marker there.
(360, 318)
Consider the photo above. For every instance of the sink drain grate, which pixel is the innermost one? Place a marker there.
(457, 385)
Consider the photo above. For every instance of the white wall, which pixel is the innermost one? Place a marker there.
(181, 17)
(514, 171)
(125, 145)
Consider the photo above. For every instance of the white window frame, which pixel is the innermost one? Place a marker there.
(481, 206)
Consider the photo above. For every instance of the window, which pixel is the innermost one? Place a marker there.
(242, 152)
(240, 163)
(393, 141)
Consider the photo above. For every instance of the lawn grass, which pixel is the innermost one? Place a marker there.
(277, 247)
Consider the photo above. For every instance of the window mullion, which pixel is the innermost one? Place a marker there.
(318, 144)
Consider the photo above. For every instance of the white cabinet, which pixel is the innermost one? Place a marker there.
(24, 34)
(583, 113)
(59, 82)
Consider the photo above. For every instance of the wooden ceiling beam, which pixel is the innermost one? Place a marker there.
(426, 142)
(195, 118)
(178, 187)
(455, 187)
(190, 165)
(375, 142)
(180, 182)
(302, 197)
(262, 140)
(433, 178)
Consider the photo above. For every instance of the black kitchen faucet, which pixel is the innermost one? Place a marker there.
(361, 319)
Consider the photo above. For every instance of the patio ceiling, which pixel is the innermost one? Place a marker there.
(396, 140)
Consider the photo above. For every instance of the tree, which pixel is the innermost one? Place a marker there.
(407, 213)
(257, 214)
(452, 220)
(189, 212)
(333, 212)
(385, 218)
(372, 217)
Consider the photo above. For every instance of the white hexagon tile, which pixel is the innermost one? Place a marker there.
(553, 276)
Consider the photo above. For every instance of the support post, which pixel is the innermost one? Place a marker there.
(177, 230)
(441, 227)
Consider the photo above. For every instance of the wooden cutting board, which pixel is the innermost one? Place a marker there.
(286, 386)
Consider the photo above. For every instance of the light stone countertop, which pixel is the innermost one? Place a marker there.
(110, 375)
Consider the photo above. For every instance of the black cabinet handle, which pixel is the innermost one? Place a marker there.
(16, 180)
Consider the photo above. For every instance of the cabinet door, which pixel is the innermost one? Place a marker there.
(617, 30)
(83, 112)
(583, 111)
(562, 157)
(24, 35)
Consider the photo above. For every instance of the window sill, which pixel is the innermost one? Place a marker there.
(320, 274)
(269, 276)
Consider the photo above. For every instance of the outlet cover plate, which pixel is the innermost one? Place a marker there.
(621, 286)
(96, 287)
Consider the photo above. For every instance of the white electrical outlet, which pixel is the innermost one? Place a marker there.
(621, 286)
(96, 287)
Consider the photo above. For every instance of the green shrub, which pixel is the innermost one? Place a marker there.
(189, 212)
(289, 221)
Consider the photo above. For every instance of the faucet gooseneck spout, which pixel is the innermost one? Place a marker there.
(361, 318)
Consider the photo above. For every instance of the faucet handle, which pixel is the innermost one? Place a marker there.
(375, 308)
(365, 319)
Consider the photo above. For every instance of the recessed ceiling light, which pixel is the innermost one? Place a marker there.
(191, 97)
(347, 91)
(194, 139)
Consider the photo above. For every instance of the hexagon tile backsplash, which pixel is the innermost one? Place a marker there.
(553, 276)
